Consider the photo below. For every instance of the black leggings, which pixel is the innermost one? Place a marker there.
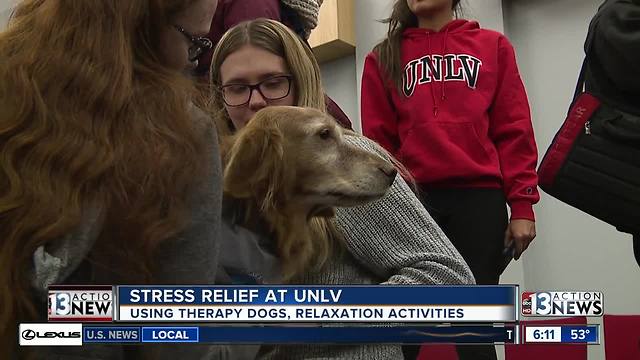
(475, 220)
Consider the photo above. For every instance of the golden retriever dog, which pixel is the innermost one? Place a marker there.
(293, 165)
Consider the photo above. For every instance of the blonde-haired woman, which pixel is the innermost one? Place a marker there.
(291, 64)
(391, 241)
(108, 172)
(299, 15)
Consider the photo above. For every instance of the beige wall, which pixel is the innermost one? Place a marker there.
(5, 11)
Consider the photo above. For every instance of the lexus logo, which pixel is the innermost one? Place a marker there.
(49, 335)
(28, 334)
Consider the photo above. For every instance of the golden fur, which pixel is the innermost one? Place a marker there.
(294, 166)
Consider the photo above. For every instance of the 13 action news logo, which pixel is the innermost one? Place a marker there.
(80, 305)
(562, 303)
(50, 334)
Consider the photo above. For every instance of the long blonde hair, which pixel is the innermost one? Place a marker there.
(279, 40)
(276, 38)
(90, 116)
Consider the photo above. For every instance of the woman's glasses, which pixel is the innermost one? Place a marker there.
(273, 88)
(199, 45)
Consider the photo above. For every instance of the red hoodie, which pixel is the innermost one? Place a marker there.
(463, 118)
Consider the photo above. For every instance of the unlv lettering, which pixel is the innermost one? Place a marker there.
(449, 67)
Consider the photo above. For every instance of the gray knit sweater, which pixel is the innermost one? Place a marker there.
(390, 241)
(190, 258)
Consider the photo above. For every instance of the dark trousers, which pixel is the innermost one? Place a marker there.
(475, 220)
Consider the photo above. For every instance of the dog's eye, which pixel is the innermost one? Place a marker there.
(324, 134)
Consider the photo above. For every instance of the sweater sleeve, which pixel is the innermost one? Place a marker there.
(396, 238)
(379, 119)
(54, 263)
(192, 256)
(511, 131)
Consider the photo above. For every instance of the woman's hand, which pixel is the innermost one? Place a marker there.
(521, 231)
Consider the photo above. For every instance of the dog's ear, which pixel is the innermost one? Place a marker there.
(255, 163)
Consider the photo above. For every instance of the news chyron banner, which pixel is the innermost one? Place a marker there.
(320, 304)
(289, 304)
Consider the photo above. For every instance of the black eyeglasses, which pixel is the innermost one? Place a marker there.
(199, 45)
(273, 88)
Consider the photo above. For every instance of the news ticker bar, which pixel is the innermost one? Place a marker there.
(68, 334)
(564, 334)
(78, 334)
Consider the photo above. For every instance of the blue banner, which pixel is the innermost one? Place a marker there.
(584, 334)
(164, 334)
(111, 334)
(317, 295)
(479, 334)
(359, 335)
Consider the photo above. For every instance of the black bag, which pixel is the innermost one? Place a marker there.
(593, 162)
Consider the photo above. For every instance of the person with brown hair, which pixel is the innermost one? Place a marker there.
(109, 172)
(445, 97)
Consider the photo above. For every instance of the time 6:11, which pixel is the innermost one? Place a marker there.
(543, 334)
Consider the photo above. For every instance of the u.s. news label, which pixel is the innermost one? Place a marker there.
(562, 303)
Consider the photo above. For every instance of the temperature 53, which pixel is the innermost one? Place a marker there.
(579, 334)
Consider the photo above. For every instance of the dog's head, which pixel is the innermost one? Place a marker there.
(297, 159)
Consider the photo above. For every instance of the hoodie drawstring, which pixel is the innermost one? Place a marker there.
(443, 95)
(444, 52)
(433, 95)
